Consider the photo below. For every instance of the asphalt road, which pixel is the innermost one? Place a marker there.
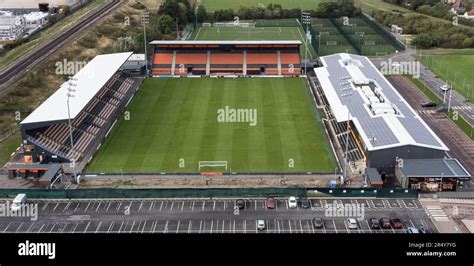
(204, 216)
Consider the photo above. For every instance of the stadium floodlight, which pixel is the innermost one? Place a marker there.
(145, 20)
(70, 94)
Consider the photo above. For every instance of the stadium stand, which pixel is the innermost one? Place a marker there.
(98, 98)
(220, 58)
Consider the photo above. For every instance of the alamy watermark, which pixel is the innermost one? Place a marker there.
(353, 210)
(391, 67)
(237, 115)
(25, 210)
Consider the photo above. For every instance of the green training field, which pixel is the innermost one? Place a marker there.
(212, 5)
(173, 119)
(455, 66)
(258, 33)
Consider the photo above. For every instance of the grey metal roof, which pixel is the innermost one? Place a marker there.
(433, 168)
(377, 131)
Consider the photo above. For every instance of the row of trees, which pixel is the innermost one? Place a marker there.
(275, 11)
(430, 32)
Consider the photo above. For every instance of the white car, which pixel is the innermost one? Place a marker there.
(412, 230)
(292, 203)
(351, 223)
(260, 224)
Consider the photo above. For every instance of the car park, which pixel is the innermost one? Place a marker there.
(305, 203)
(261, 225)
(318, 222)
(271, 203)
(240, 203)
(351, 223)
(396, 223)
(292, 203)
(373, 223)
(385, 223)
(412, 230)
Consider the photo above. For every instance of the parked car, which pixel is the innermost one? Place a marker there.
(318, 222)
(292, 202)
(305, 203)
(240, 203)
(373, 223)
(260, 224)
(396, 223)
(425, 230)
(412, 230)
(351, 223)
(18, 202)
(271, 203)
(385, 223)
(428, 104)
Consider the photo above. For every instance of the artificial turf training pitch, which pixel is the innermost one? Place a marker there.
(190, 119)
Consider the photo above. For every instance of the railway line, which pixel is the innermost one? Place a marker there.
(23, 65)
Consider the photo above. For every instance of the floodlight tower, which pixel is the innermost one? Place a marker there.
(145, 20)
(71, 84)
(306, 20)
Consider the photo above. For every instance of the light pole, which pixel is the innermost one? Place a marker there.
(70, 94)
(145, 20)
(306, 19)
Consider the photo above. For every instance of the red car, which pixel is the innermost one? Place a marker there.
(271, 202)
(396, 223)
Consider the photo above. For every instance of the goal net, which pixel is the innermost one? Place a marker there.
(206, 25)
(331, 43)
(203, 164)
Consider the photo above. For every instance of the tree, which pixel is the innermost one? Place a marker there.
(201, 14)
(166, 24)
(423, 40)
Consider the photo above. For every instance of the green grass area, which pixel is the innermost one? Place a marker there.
(48, 34)
(173, 119)
(454, 66)
(458, 120)
(257, 33)
(212, 5)
(8, 146)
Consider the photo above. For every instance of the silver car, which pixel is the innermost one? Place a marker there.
(352, 223)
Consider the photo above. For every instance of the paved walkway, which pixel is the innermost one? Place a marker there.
(442, 222)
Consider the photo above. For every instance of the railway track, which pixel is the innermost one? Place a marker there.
(23, 65)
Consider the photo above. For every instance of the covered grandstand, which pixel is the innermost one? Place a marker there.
(366, 110)
(220, 58)
(100, 93)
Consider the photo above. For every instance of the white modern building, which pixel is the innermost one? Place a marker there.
(11, 27)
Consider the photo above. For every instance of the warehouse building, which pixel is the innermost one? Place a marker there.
(372, 117)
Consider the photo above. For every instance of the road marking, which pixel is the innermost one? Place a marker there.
(45, 206)
(393, 231)
(108, 206)
(233, 231)
(177, 229)
(39, 231)
(200, 226)
(144, 225)
(278, 224)
(224, 204)
(223, 225)
(189, 226)
(151, 206)
(335, 228)
(312, 227)
(161, 205)
(52, 228)
(166, 227)
(67, 206)
(203, 203)
(133, 225)
(56, 206)
(324, 227)
(286, 202)
(182, 206)
(98, 206)
(75, 227)
(301, 226)
(77, 206)
(110, 227)
(245, 226)
(255, 204)
(345, 225)
(154, 226)
(256, 227)
(172, 203)
(368, 226)
(140, 207)
(214, 207)
(118, 207)
(212, 224)
(18, 227)
(30, 227)
(87, 226)
(97, 230)
(192, 208)
(289, 224)
(120, 229)
(412, 223)
(87, 206)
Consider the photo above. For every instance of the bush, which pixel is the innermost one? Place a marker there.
(138, 6)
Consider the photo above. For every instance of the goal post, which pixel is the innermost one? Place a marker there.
(212, 164)
(206, 25)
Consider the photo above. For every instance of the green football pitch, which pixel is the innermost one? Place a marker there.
(258, 33)
(172, 124)
(212, 5)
